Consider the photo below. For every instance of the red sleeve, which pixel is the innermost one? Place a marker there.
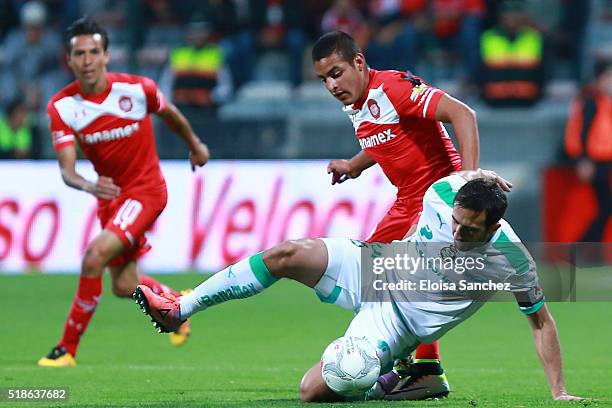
(61, 134)
(411, 7)
(475, 6)
(412, 97)
(156, 101)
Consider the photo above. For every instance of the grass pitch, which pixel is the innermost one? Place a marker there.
(252, 353)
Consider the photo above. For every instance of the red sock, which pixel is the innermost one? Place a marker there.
(428, 351)
(83, 308)
(155, 286)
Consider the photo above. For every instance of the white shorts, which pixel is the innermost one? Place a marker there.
(378, 321)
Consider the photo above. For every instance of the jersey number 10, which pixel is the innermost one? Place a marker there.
(127, 213)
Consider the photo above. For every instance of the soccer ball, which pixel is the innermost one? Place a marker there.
(350, 366)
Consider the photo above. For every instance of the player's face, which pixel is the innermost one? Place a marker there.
(346, 82)
(469, 228)
(87, 59)
(605, 81)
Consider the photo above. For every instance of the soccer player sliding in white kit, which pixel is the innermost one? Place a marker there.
(464, 210)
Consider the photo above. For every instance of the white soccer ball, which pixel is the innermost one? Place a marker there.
(350, 366)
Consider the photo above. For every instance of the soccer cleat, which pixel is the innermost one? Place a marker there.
(179, 337)
(58, 357)
(404, 366)
(163, 309)
(421, 380)
(384, 385)
(420, 388)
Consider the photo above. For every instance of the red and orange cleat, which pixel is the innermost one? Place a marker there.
(163, 309)
(182, 334)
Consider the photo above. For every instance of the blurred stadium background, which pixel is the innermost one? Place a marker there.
(265, 103)
(260, 101)
(271, 127)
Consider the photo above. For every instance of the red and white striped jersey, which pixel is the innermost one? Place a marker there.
(395, 124)
(113, 128)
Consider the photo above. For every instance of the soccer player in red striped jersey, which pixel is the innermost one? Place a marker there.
(108, 116)
(397, 119)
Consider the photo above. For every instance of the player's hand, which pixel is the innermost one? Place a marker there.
(105, 189)
(585, 170)
(341, 171)
(199, 156)
(490, 175)
(504, 184)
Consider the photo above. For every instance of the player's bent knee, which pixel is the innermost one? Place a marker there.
(313, 392)
(282, 258)
(123, 289)
(308, 388)
(93, 262)
(307, 394)
(313, 388)
(95, 259)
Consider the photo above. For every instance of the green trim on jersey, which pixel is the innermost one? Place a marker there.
(333, 296)
(532, 309)
(383, 348)
(512, 252)
(260, 270)
(445, 192)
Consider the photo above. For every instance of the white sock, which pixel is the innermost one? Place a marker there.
(241, 280)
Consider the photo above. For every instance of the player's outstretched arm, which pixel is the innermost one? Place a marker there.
(465, 126)
(198, 151)
(103, 189)
(342, 170)
(548, 348)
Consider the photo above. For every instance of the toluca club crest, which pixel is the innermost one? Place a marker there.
(374, 108)
(125, 103)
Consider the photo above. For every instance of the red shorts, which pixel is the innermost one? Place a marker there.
(397, 221)
(129, 216)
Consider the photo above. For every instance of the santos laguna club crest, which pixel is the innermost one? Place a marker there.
(125, 103)
(374, 108)
(448, 252)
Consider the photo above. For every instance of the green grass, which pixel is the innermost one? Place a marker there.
(253, 352)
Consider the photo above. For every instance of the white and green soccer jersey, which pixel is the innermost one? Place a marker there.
(503, 260)
(401, 319)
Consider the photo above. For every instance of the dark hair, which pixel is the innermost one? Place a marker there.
(481, 194)
(14, 104)
(85, 26)
(600, 66)
(336, 42)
